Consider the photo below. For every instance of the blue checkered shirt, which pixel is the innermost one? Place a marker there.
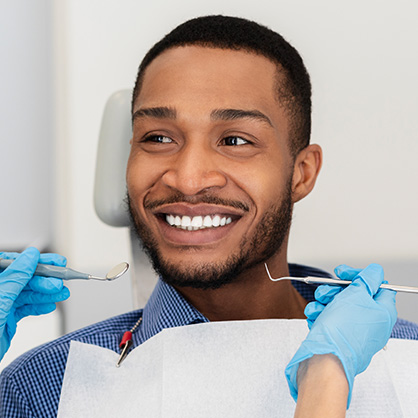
(31, 385)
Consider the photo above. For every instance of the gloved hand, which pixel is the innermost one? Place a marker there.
(325, 294)
(22, 294)
(353, 323)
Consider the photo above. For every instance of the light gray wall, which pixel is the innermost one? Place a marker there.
(26, 121)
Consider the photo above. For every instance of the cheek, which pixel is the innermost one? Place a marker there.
(140, 176)
(264, 182)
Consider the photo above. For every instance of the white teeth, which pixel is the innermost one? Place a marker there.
(207, 221)
(197, 222)
(216, 221)
(185, 221)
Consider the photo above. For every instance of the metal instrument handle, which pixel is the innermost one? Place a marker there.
(325, 280)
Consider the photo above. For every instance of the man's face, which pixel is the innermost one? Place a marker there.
(209, 174)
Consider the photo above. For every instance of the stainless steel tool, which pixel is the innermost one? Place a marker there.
(65, 273)
(326, 280)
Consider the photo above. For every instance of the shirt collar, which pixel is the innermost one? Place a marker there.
(166, 308)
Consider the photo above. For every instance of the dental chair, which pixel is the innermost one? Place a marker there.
(110, 187)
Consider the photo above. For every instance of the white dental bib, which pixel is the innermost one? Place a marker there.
(223, 369)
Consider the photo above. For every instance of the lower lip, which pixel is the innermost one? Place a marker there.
(199, 237)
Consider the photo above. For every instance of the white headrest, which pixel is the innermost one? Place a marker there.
(112, 157)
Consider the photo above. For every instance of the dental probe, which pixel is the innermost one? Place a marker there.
(65, 273)
(325, 280)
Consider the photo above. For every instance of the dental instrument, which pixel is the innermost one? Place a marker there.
(65, 273)
(325, 280)
(126, 342)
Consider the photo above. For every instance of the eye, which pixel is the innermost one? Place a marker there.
(159, 139)
(234, 141)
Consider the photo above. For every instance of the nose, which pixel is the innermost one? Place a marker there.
(194, 169)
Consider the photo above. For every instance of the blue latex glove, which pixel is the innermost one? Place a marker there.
(325, 294)
(353, 323)
(22, 294)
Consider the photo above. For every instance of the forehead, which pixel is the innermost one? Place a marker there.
(217, 77)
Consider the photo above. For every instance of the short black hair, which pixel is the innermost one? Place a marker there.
(226, 32)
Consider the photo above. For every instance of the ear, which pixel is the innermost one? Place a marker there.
(305, 171)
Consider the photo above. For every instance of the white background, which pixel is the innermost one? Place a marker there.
(26, 129)
(363, 61)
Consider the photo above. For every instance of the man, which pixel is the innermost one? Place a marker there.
(220, 153)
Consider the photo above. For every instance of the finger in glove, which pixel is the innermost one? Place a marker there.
(16, 276)
(326, 293)
(46, 285)
(27, 297)
(372, 277)
(345, 272)
(28, 310)
(312, 312)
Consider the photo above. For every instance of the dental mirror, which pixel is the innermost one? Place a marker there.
(117, 271)
(65, 273)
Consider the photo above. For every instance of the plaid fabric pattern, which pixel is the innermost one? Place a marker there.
(31, 385)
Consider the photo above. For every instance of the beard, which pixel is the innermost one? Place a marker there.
(267, 240)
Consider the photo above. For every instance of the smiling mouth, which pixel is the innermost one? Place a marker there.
(196, 223)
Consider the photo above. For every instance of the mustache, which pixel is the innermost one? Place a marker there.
(194, 200)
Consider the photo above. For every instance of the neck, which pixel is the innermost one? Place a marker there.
(250, 296)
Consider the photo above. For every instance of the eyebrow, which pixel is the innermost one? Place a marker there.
(217, 114)
(233, 114)
(155, 112)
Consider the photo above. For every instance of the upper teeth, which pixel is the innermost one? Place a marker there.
(197, 222)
